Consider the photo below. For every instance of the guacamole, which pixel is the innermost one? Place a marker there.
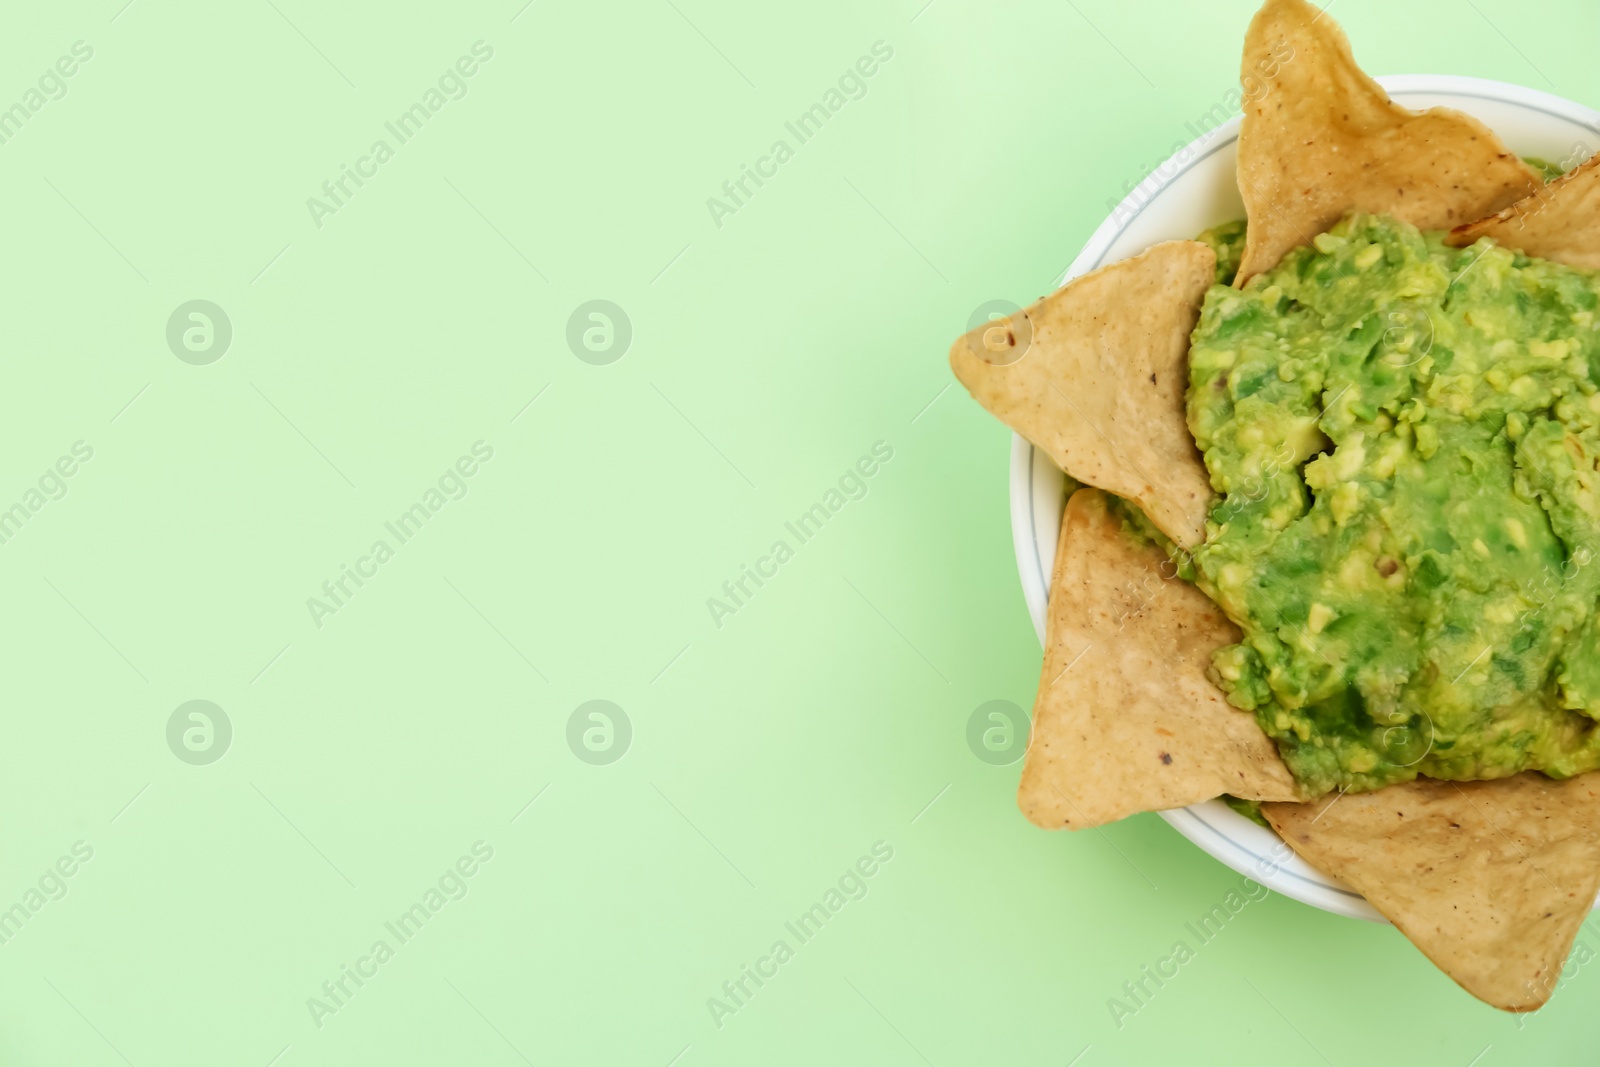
(1547, 170)
(1407, 440)
(1227, 242)
(1250, 809)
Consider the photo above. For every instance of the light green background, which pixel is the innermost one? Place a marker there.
(768, 354)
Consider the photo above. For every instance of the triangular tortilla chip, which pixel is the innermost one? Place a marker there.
(1320, 139)
(1095, 374)
(1560, 221)
(1126, 719)
(1491, 880)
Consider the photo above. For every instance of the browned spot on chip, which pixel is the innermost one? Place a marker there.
(1084, 385)
(1126, 719)
(1491, 880)
(1559, 221)
(1320, 139)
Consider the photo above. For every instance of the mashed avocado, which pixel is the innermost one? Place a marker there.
(1250, 809)
(1407, 437)
(1227, 241)
(1547, 170)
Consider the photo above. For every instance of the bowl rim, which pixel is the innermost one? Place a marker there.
(1211, 825)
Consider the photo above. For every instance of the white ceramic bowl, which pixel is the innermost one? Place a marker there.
(1192, 191)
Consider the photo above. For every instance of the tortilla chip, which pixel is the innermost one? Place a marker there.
(1320, 139)
(1126, 720)
(1095, 374)
(1560, 221)
(1491, 880)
